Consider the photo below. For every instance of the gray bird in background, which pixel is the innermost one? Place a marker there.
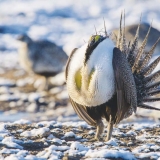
(41, 57)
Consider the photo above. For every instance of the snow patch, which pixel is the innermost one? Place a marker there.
(106, 153)
(11, 142)
(36, 132)
(22, 121)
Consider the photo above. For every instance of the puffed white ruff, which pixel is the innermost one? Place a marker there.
(101, 87)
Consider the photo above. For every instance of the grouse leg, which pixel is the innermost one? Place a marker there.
(46, 83)
(109, 129)
(100, 127)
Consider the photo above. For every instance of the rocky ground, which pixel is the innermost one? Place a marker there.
(75, 140)
(51, 130)
(20, 94)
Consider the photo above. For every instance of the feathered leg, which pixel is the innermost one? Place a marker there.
(109, 129)
(100, 127)
(44, 85)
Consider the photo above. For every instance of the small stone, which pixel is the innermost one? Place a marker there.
(32, 108)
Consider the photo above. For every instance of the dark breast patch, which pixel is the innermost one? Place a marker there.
(92, 44)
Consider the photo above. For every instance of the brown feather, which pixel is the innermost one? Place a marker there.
(82, 113)
(148, 56)
(148, 107)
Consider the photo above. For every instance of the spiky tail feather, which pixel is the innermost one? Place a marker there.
(139, 60)
(148, 107)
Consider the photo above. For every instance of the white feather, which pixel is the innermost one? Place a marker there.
(102, 86)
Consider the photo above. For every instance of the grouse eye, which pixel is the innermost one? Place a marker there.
(97, 37)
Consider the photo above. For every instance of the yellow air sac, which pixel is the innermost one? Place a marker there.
(78, 79)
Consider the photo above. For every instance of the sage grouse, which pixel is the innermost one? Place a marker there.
(41, 57)
(110, 81)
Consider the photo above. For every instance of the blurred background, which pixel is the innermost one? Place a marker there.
(68, 24)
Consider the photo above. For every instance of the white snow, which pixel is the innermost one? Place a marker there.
(46, 123)
(77, 148)
(139, 127)
(145, 148)
(106, 153)
(131, 133)
(103, 150)
(69, 134)
(32, 108)
(97, 144)
(4, 89)
(112, 142)
(21, 83)
(7, 151)
(33, 97)
(36, 132)
(8, 97)
(22, 121)
(52, 152)
(57, 140)
(116, 131)
(91, 132)
(151, 155)
(6, 82)
(55, 90)
(81, 124)
(10, 142)
(58, 80)
(3, 131)
(62, 95)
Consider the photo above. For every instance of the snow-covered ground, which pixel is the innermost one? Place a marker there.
(74, 140)
(69, 24)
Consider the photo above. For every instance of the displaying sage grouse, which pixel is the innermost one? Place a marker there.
(41, 57)
(108, 81)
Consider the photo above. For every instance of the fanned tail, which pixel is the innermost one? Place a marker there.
(124, 45)
(148, 56)
(151, 67)
(151, 78)
(140, 52)
(153, 93)
(147, 83)
(134, 48)
(120, 35)
(148, 107)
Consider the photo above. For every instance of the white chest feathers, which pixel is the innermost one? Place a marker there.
(92, 84)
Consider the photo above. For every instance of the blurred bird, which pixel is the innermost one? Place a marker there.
(110, 81)
(41, 57)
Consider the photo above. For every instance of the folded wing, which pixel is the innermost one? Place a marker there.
(125, 86)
